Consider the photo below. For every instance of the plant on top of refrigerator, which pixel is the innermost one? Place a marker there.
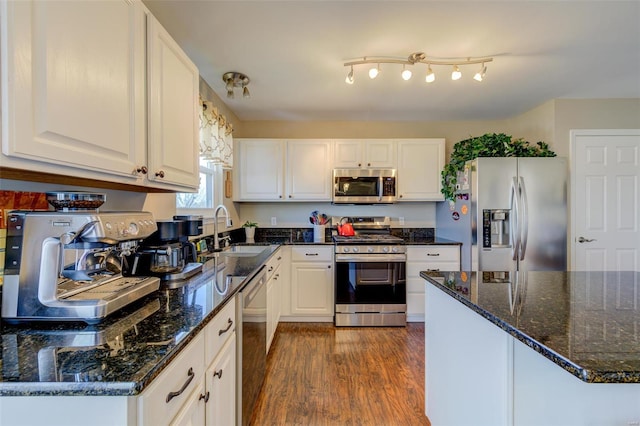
(487, 145)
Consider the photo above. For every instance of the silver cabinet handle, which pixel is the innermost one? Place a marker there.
(218, 374)
(205, 397)
(311, 254)
(190, 377)
(585, 240)
(433, 254)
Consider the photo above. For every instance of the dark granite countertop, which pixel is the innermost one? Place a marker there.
(124, 353)
(586, 322)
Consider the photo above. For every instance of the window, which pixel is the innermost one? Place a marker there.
(203, 199)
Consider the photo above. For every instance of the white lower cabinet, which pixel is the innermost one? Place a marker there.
(220, 383)
(193, 411)
(175, 386)
(276, 274)
(312, 278)
(202, 397)
(426, 258)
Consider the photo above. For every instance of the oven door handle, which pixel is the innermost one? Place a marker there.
(370, 258)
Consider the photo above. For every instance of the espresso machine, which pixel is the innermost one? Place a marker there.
(168, 253)
(68, 265)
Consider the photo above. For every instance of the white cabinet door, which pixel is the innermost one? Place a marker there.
(259, 175)
(221, 386)
(75, 75)
(379, 154)
(312, 289)
(347, 154)
(173, 111)
(193, 411)
(356, 153)
(312, 281)
(309, 170)
(426, 258)
(420, 162)
(174, 387)
(273, 302)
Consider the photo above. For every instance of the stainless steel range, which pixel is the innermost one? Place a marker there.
(370, 275)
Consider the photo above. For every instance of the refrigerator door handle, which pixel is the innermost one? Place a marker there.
(524, 223)
(514, 223)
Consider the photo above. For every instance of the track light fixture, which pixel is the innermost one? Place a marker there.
(456, 74)
(373, 72)
(479, 76)
(420, 58)
(430, 77)
(349, 79)
(234, 79)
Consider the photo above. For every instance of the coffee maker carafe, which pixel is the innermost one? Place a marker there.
(167, 254)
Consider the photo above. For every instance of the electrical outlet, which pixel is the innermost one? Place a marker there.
(401, 220)
(274, 222)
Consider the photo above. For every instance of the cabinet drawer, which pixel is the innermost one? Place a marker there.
(312, 253)
(433, 253)
(181, 376)
(414, 268)
(219, 330)
(274, 263)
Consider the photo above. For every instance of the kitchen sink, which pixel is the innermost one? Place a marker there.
(243, 251)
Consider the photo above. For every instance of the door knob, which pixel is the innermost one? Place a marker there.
(585, 240)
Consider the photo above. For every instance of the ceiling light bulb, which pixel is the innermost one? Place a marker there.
(230, 94)
(245, 92)
(479, 76)
(229, 85)
(373, 72)
(456, 74)
(431, 77)
(349, 79)
(406, 74)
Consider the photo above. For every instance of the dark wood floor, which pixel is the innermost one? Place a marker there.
(319, 374)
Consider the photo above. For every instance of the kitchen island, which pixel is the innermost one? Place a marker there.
(532, 348)
(67, 372)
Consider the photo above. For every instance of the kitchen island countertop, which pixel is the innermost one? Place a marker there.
(124, 353)
(585, 322)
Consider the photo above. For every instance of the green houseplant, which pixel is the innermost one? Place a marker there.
(487, 145)
(250, 231)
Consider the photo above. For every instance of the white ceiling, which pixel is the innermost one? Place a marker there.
(294, 51)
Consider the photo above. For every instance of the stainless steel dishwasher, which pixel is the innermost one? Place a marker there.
(251, 312)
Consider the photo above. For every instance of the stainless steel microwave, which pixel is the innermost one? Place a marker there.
(364, 186)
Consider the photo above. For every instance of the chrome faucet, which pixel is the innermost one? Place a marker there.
(216, 240)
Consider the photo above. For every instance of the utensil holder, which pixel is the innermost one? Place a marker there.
(318, 233)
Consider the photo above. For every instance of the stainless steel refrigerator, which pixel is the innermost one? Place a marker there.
(510, 214)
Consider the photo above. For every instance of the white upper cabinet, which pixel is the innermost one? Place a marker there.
(356, 154)
(420, 163)
(77, 79)
(278, 170)
(309, 170)
(74, 84)
(259, 175)
(173, 85)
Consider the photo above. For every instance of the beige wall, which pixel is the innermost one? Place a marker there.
(573, 114)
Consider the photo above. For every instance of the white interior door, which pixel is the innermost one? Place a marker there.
(605, 200)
